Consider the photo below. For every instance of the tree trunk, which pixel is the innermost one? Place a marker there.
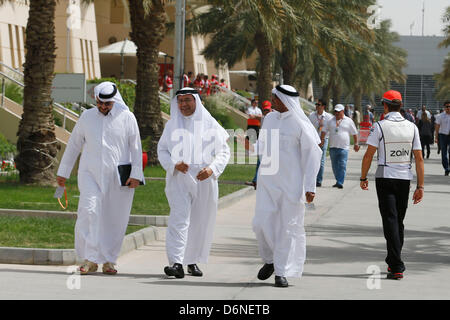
(337, 92)
(266, 53)
(288, 60)
(326, 96)
(147, 33)
(37, 145)
(357, 98)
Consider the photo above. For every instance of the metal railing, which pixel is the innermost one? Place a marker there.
(164, 97)
(12, 69)
(65, 111)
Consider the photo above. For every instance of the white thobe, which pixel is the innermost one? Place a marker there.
(104, 206)
(193, 203)
(279, 213)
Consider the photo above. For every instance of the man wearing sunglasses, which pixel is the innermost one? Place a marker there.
(318, 118)
(106, 137)
(340, 127)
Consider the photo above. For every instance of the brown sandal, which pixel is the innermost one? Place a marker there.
(108, 268)
(88, 267)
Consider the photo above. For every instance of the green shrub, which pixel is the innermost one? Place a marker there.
(127, 90)
(165, 107)
(6, 147)
(245, 94)
(57, 119)
(216, 106)
(14, 92)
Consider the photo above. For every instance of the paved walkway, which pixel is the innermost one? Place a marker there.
(345, 245)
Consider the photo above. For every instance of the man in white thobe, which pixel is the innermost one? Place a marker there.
(106, 136)
(288, 144)
(194, 152)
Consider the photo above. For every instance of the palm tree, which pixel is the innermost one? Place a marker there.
(443, 78)
(37, 146)
(148, 19)
(324, 26)
(375, 66)
(238, 28)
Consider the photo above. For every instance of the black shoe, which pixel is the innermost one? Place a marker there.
(194, 270)
(250, 183)
(318, 184)
(281, 282)
(395, 275)
(447, 172)
(175, 271)
(339, 186)
(266, 271)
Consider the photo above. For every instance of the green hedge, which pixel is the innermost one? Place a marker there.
(5, 146)
(14, 92)
(127, 90)
(216, 106)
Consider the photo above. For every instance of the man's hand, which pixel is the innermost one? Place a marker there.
(132, 183)
(322, 142)
(61, 181)
(356, 147)
(182, 167)
(417, 196)
(364, 185)
(204, 174)
(310, 197)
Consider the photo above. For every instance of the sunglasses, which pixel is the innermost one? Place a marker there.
(106, 104)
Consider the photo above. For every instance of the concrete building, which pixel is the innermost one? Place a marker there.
(77, 47)
(425, 59)
(92, 26)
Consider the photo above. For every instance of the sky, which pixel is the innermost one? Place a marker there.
(403, 13)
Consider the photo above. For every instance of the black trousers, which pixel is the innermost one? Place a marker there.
(393, 197)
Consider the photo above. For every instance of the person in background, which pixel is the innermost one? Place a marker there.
(340, 128)
(426, 133)
(318, 119)
(443, 136)
(267, 108)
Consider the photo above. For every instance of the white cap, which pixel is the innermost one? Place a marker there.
(339, 107)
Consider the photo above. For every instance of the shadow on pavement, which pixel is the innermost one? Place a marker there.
(424, 249)
(177, 282)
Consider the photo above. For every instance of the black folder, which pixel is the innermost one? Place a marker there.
(124, 174)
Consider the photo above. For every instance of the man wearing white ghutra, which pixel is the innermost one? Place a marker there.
(194, 152)
(106, 136)
(290, 160)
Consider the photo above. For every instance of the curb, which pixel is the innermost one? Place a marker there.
(158, 221)
(67, 257)
(234, 197)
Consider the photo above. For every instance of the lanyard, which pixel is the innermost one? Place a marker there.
(67, 202)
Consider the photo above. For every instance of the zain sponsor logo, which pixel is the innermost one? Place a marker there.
(399, 153)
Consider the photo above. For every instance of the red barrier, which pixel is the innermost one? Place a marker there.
(364, 131)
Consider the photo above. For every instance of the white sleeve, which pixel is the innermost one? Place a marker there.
(374, 135)
(164, 155)
(221, 159)
(73, 149)
(353, 130)
(310, 155)
(326, 126)
(134, 143)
